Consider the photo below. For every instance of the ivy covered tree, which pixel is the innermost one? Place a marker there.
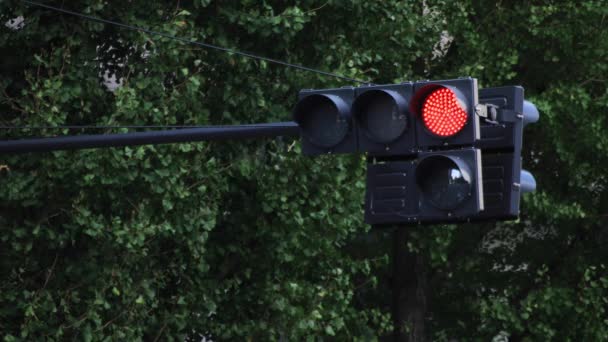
(251, 240)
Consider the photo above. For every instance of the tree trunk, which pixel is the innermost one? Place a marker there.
(409, 290)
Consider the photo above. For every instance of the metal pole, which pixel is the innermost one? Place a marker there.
(239, 132)
(409, 290)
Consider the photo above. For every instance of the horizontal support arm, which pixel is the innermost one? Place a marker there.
(211, 133)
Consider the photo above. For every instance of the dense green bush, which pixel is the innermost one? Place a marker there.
(250, 240)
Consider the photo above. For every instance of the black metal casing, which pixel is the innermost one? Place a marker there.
(392, 194)
(501, 145)
(413, 175)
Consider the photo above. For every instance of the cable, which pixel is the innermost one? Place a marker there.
(184, 40)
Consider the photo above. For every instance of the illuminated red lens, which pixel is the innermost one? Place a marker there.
(442, 114)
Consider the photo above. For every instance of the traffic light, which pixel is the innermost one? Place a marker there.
(442, 181)
(438, 151)
(501, 144)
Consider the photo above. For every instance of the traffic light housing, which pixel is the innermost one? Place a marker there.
(441, 181)
(501, 143)
(441, 186)
(438, 151)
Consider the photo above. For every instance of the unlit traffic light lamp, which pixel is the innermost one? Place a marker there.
(375, 109)
(446, 181)
(384, 123)
(325, 120)
(437, 153)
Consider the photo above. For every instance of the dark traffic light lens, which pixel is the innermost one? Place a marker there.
(443, 113)
(381, 114)
(443, 181)
(321, 120)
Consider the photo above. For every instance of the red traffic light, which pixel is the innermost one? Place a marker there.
(443, 113)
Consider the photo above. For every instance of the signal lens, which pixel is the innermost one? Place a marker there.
(381, 115)
(322, 119)
(444, 181)
(443, 114)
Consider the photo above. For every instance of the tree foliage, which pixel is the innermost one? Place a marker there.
(251, 240)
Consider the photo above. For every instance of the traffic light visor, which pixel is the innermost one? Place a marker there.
(381, 114)
(444, 181)
(323, 119)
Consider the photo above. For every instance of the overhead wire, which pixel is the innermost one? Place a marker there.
(165, 35)
(193, 42)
